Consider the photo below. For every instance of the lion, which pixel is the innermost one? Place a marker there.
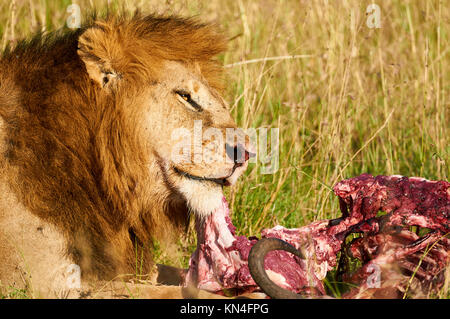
(88, 178)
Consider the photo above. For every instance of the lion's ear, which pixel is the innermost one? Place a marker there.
(97, 52)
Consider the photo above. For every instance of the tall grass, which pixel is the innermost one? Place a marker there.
(350, 99)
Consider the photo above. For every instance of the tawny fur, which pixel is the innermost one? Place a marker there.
(72, 152)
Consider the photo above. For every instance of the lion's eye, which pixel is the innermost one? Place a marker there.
(187, 97)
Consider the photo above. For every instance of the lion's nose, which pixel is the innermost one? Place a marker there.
(238, 154)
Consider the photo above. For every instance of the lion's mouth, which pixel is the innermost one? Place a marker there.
(223, 181)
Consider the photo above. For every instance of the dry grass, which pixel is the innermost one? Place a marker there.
(347, 99)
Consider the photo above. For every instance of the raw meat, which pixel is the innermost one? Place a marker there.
(220, 261)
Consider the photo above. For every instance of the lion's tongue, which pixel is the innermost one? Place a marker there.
(220, 261)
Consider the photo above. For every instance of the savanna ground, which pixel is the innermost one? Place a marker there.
(347, 98)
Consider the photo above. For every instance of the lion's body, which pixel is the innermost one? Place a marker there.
(78, 184)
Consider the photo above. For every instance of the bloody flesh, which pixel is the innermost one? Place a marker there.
(220, 261)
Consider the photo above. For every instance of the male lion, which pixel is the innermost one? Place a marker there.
(87, 177)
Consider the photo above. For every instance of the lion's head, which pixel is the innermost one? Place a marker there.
(116, 131)
(195, 141)
(167, 78)
(163, 75)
